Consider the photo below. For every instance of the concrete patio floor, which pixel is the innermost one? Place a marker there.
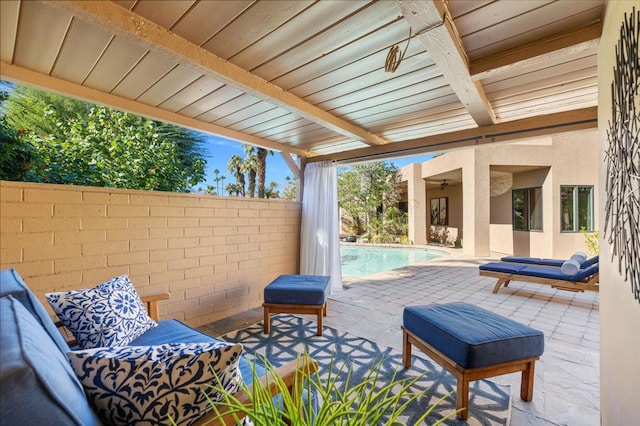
(567, 384)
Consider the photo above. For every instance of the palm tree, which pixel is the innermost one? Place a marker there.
(250, 165)
(262, 169)
(235, 166)
(233, 189)
(222, 178)
(216, 180)
(271, 192)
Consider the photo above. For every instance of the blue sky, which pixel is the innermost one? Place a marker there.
(219, 150)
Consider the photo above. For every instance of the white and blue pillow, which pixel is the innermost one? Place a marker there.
(110, 314)
(147, 384)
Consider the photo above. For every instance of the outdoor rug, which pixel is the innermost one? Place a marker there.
(489, 402)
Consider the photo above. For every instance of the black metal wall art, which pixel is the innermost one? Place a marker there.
(622, 156)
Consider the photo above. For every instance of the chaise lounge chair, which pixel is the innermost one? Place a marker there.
(548, 262)
(505, 272)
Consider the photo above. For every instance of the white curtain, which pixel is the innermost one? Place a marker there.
(320, 227)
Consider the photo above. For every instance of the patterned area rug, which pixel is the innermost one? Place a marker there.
(489, 402)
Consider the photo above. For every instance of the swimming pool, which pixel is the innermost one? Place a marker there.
(358, 261)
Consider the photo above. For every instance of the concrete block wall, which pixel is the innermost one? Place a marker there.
(213, 255)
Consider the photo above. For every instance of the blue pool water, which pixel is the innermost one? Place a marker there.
(358, 261)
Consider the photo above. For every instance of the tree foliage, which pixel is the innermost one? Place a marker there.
(290, 191)
(16, 153)
(73, 142)
(369, 193)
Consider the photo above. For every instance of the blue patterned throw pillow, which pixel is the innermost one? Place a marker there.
(110, 314)
(147, 384)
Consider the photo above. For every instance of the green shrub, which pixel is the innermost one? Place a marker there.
(591, 240)
(369, 402)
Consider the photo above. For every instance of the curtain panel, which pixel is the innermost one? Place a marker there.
(320, 227)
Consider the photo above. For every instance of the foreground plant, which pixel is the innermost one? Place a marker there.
(311, 400)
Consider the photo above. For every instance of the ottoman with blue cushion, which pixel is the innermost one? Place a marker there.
(296, 294)
(472, 344)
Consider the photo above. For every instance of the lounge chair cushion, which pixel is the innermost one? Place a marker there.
(471, 336)
(507, 268)
(154, 382)
(110, 314)
(298, 290)
(532, 261)
(37, 380)
(549, 262)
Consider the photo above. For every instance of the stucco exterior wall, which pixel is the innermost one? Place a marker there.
(213, 255)
(531, 243)
(562, 159)
(619, 311)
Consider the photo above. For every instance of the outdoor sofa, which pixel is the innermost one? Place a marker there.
(41, 385)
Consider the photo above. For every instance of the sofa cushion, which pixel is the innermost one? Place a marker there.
(37, 381)
(110, 314)
(12, 284)
(147, 384)
(173, 331)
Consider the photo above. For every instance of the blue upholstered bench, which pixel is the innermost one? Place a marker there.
(472, 344)
(296, 294)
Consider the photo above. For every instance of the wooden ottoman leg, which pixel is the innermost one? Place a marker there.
(319, 314)
(406, 349)
(324, 309)
(526, 383)
(267, 319)
(462, 397)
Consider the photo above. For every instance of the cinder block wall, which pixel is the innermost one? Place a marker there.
(213, 255)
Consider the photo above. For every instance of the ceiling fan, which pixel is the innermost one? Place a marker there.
(444, 184)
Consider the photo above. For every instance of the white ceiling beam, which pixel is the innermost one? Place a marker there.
(292, 165)
(567, 121)
(533, 54)
(28, 77)
(115, 19)
(431, 23)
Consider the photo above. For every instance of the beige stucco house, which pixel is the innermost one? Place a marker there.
(527, 198)
(307, 79)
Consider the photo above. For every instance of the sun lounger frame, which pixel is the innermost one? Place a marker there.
(505, 278)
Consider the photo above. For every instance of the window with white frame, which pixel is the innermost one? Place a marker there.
(576, 208)
(527, 209)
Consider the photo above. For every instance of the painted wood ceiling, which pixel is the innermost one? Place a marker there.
(307, 77)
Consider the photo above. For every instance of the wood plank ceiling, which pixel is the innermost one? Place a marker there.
(307, 77)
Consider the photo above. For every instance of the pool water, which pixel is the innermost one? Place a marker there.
(361, 261)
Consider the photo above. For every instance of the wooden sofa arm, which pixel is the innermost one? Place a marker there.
(151, 303)
(289, 373)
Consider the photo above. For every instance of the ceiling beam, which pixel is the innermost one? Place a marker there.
(115, 19)
(532, 54)
(431, 23)
(66, 88)
(580, 119)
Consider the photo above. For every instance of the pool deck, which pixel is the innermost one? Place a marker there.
(567, 384)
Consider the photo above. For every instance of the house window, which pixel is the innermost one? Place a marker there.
(439, 214)
(576, 208)
(527, 209)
